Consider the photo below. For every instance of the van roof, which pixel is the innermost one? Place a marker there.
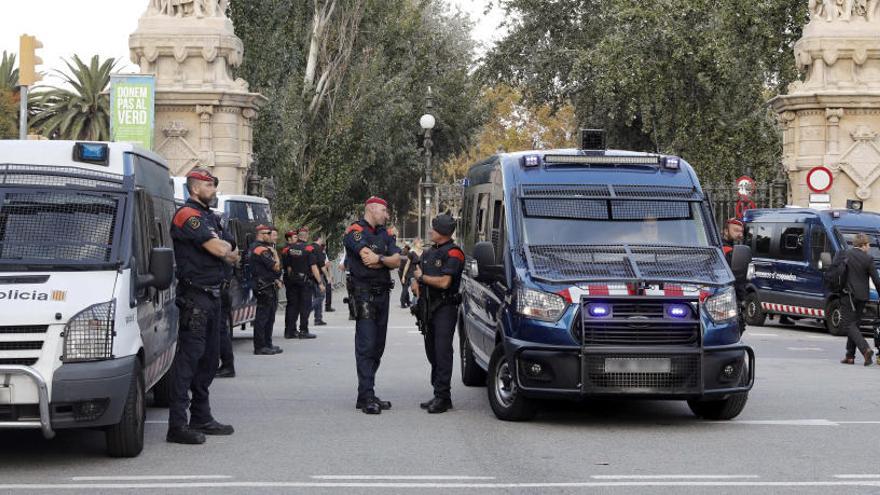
(839, 217)
(60, 154)
(513, 167)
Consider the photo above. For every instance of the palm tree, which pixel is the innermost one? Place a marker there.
(81, 114)
(8, 72)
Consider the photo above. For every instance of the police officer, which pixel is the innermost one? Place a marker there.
(731, 235)
(227, 357)
(437, 279)
(299, 270)
(371, 253)
(266, 273)
(201, 257)
(319, 286)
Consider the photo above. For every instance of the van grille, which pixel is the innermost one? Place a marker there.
(19, 361)
(637, 323)
(684, 376)
(13, 350)
(21, 346)
(25, 329)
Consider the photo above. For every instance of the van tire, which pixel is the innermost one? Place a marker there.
(506, 401)
(126, 438)
(833, 318)
(754, 314)
(472, 375)
(162, 390)
(723, 409)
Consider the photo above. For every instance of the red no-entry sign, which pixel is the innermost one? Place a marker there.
(819, 179)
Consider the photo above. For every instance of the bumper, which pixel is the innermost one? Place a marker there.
(691, 373)
(83, 395)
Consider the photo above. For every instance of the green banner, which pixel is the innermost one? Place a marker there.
(132, 109)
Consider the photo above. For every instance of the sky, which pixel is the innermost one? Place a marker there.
(88, 27)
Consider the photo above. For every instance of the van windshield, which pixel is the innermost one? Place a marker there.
(849, 235)
(58, 228)
(612, 222)
(248, 212)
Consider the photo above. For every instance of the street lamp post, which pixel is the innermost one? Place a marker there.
(427, 122)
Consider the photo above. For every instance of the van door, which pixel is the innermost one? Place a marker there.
(793, 269)
(761, 237)
(813, 283)
(480, 323)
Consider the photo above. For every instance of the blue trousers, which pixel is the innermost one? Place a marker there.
(195, 361)
(264, 321)
(317, 302)
(370, 332)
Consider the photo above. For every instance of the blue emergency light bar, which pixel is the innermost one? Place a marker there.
(602, 160)
(97, 153)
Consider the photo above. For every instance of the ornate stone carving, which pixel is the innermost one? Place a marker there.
(175, 129)
(188, 8)
(844, 10)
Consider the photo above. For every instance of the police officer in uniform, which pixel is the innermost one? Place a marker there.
(437, 280)
(319, 287)
(201, 257)
(266, 270)
(731, 235)
(371, 254)
(299, 270)
(227, 357)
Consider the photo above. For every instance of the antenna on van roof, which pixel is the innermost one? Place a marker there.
(593, 140)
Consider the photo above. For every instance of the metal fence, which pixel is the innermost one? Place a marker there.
(723, 197)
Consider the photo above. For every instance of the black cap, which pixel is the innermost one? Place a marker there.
(443, 224)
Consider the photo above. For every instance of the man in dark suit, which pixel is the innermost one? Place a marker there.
(859, 268)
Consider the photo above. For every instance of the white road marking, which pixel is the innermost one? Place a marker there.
(781, 422)
(821, 337)
(156, 422)
(857, 476)
(153, 478)
(673, 476)
(464, 486)
(334, 477)
(753, 334)
(805, 349)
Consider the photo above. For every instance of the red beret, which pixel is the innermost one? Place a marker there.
(290, 233)
(201, 174)
(263, 227)
(376, 200)
(734, 221)
(302, 229)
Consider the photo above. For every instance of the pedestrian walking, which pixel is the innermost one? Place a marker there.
(266, 273)
(859, 269)
(371, 254)
(436, 284)
(201, 257)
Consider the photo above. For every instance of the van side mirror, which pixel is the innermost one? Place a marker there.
(161, 269)
(825, 261)
(740, 260)
(487, 270)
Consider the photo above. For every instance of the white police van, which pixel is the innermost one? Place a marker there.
(87, 317)
(239, 214)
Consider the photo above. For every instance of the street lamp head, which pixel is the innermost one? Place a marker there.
(427, 121)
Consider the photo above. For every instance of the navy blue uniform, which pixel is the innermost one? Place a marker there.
(441, 260)
(317, 295)
(264, 264)
(370, 288)
(298, 259)
(227, 358)
(199, 276)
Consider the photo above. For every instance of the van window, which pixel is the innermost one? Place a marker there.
(482, 213)
(763, 234)
(791, 242)
(874, 245)
(250, 213)
(818, 244)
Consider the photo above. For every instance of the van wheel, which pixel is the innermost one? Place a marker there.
(507, 402)
(126, 439)
(471, 373)
(833, 318)
(755, 315)
(162, 390)
(723, 409)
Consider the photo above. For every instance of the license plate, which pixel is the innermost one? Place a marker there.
(638, 365)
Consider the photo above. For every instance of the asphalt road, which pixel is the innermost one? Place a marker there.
(810, 426)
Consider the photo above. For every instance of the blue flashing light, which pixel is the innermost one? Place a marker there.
(97, 153)
(531, 160)
(598, 310)
(677, 311)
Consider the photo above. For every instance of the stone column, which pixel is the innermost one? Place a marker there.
(832, 116)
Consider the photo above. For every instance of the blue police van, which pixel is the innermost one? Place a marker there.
(596, 273)
(785, 276)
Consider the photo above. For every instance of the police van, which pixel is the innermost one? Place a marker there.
(785, 277)
(240, 215)
(595, 273)
(87, 317)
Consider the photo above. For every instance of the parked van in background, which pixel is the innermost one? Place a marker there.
(785, 276)
(597, 273)
(88, 322)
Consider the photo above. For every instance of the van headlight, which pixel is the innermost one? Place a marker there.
(539, 305)
(88, 336)
(721, 306)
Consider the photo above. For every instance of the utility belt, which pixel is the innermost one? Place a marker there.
(298, 277)
(188, 286)
(373, 289)
(261, 286)
(443, 298)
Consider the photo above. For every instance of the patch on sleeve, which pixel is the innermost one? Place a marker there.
(457, 254)
(358, 235)
(194, 223)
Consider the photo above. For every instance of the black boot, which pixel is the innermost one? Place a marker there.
(184, 435)
(213, 428)
(306, 335)
(440, 406)
(225, 372)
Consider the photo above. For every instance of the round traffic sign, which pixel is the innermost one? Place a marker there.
(819, 179)
(745, 186)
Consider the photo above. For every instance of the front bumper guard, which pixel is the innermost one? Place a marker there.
(45, 422)
(583, 352)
